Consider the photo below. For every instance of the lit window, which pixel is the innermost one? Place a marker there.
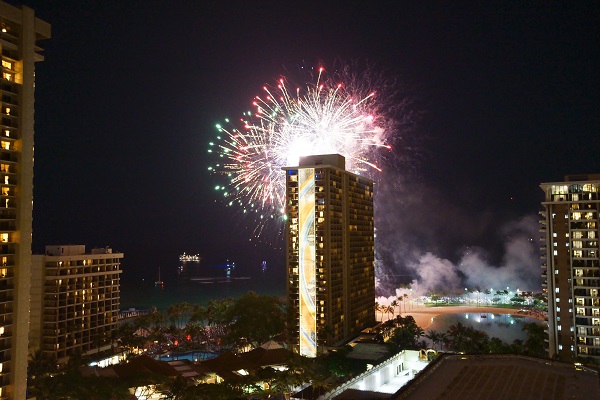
(7, 76)
(560, 346)
(6, 64)
(557, 290)
(4, 237)
(555, 252)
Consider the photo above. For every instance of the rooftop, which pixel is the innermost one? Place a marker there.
(501, 377)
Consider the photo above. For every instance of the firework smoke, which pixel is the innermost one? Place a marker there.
(418, 248)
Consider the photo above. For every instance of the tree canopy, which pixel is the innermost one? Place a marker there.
(255, 319)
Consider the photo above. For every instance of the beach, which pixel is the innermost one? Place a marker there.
(423, 315)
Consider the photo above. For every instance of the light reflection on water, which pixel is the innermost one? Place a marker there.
(145, 295)
(506, 327)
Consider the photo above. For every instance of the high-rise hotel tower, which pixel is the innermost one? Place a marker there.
(330, 253)
(19, 32)
(572, 266)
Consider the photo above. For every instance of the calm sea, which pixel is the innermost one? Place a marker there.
(200, 289)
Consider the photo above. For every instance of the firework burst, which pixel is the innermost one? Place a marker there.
(326, 116)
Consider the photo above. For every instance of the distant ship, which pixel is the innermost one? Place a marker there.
(159, 282)
(189, 258)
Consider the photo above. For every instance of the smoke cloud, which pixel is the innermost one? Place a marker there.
(425, 241)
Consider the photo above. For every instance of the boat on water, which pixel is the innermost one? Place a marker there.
(189, 258)
(159, 282)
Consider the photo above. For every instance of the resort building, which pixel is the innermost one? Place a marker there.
(75, 300)
(572, 267)
(330, 253)
(19, 32)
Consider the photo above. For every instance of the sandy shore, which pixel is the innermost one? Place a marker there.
(423, 315)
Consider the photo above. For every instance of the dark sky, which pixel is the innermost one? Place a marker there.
(508, 95)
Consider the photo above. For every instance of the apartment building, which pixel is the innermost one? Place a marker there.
(20, 32)
(75, 299)
(571, 267)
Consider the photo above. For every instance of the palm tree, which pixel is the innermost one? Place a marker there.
(434, 336)
(405, 300)
(487, 293)
(378, 308)
(400, 298)
(394, 304)
(178, 313)
(390, 310)
(478, 290)
(443, 339)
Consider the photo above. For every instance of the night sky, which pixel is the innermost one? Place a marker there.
(506, 95)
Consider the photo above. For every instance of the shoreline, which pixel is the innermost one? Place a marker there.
(424, 315)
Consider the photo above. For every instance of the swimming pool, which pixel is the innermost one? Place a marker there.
(190, 355)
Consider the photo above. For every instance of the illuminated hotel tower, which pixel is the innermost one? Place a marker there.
(572, 267)
(330, 252)
(19, 32)
(75, 298)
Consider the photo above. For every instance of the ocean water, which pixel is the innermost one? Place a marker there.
(199, 289)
